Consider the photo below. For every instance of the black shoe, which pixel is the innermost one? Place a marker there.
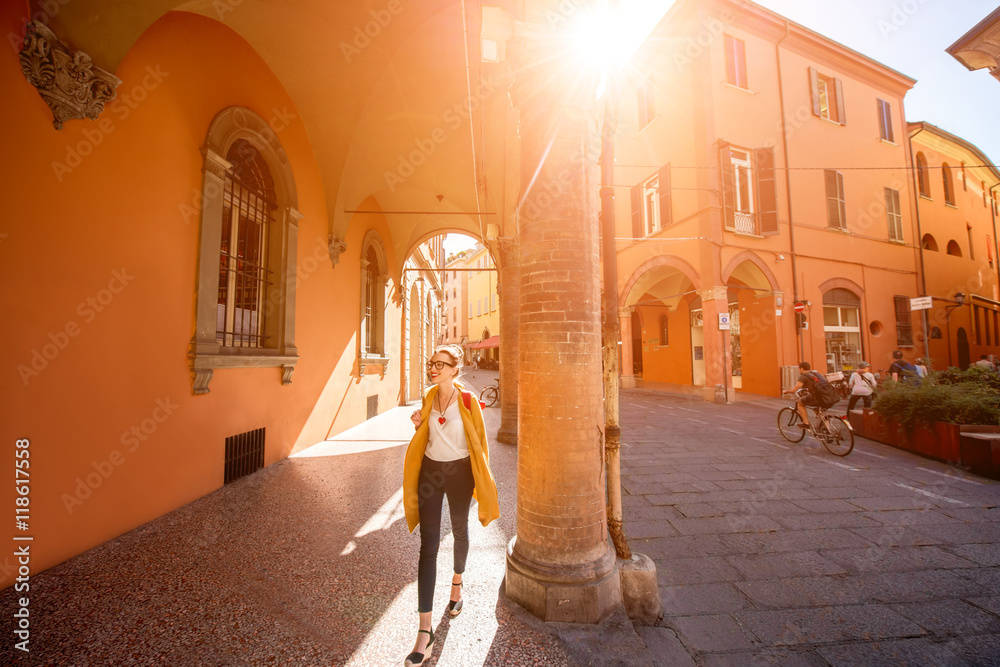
(455, 606)
(415, 658)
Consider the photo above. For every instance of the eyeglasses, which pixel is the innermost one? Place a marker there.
(438, 365)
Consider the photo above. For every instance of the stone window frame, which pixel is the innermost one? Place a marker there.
(207, 354)
(377, 357)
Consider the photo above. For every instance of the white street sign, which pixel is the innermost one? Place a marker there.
(723, 321)
(921, 303)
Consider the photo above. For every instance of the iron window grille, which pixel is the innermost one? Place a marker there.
(244, 279)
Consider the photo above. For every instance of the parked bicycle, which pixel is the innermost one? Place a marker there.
(490, 395)
(835, 433)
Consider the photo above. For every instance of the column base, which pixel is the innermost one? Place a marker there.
(640, 589)
(628, 382)
(507, 436)
(565, 596)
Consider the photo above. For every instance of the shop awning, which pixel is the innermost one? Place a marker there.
(492, 341)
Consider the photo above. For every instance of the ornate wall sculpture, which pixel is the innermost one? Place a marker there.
(67, 80)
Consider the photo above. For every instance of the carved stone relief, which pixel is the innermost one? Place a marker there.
(67, 80)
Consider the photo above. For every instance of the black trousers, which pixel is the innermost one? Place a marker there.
(437, 480)
(854, 401)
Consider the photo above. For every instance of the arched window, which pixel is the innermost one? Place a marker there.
(954, 249)
(949, 185)
(245, 304)
(923, 183)
(247, 209)
(374, 275)
(928, 243)
(842, 329)
(664, 330)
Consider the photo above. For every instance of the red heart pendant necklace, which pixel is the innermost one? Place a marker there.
(441, 419)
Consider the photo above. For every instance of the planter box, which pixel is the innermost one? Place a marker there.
(980, 450)
(972, 446)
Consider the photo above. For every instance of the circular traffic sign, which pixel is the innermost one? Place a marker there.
(800, 307)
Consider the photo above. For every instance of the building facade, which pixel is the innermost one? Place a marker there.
(763, 170)
(957, 207)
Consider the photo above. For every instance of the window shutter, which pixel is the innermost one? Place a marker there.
(767, 195)
(666, 213)
(832, 202)
(814, 87)
(637, 211)
(841, 114)
(904, 328)
(728, 187)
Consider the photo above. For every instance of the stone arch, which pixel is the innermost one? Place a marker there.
(843, 283)
(665, 260)
(748, 256)
(235, 123)
(275, 317)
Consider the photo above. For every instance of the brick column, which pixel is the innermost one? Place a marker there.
(628, 363)
(718, 362)
(560, 565)
(509, 288)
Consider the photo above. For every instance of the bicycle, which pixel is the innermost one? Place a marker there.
(490, 395)
(835, 433)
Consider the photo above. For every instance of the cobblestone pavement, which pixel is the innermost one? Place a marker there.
(767, 553)
(774, 553)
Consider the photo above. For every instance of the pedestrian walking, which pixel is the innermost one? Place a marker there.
(862, 385)
(921, 367)
(902, 370)
(448, 456)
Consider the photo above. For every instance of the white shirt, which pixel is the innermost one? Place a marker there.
(447, 441)
(859, 387)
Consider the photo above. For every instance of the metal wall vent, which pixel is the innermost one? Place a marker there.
(244, 454)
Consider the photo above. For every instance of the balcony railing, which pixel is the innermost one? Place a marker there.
(746, 223)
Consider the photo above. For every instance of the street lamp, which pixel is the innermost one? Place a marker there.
(958, 301)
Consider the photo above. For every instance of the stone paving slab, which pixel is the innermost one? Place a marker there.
(767, 553)
(829, 624)
(714, 598)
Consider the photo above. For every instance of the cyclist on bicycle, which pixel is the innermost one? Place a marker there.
(807, 399)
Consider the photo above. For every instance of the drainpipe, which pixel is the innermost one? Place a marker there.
(996, 242)
(920, 247)
(612, 329)
(788, 185)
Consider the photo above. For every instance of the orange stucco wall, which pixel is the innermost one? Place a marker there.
(100, 265)
(696, 110)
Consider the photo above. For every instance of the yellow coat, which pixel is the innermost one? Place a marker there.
(479, 453)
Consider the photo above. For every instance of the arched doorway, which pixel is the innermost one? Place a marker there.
(963, 349)
(636, 344)
(842, 329)
(752, 335)
(656, 319)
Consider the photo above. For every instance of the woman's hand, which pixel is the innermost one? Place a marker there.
(415, 418)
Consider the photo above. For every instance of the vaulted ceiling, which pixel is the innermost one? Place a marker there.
(384, 89)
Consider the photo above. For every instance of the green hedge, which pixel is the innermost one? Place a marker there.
(959, 397)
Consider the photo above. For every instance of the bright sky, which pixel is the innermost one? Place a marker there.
(909, 36)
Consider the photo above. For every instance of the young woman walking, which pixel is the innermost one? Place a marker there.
(448, 456)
